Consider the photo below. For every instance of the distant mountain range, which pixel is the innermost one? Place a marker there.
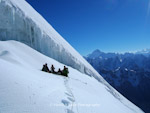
(129, 73)
(98, 53)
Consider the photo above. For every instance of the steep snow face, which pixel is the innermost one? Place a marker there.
(20, 22)
(26, 89)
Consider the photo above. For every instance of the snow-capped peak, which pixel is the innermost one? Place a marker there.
(95, 54)
(144, 52)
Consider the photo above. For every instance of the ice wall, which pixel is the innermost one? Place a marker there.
(20, 22)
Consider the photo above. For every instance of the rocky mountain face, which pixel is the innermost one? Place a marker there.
(129, 73)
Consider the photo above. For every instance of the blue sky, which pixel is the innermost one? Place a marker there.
(108, 25)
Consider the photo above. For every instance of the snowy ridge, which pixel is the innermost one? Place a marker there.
(26, 89)
(20, 22)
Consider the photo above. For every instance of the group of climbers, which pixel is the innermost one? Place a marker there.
(63, 72)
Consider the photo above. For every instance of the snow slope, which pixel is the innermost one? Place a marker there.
(26, 89)
(19, 21)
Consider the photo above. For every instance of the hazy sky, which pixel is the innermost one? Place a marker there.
(108, 25)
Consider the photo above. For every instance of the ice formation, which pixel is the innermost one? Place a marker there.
(20, 22)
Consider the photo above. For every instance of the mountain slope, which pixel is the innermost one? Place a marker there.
(26, 89)
(21, 65)
(20, 22)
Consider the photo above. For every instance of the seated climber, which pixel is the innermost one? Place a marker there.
(53, 69)
(59, 72)
(45, 68)
(65, 71)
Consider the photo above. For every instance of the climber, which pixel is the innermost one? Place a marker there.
(53, 69)
(59, 72)
(45, 68)
(65, 71)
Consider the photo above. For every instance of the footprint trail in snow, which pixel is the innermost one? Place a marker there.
(69, 102)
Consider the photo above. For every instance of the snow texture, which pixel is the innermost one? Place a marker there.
(20, 22)
(26, 89)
